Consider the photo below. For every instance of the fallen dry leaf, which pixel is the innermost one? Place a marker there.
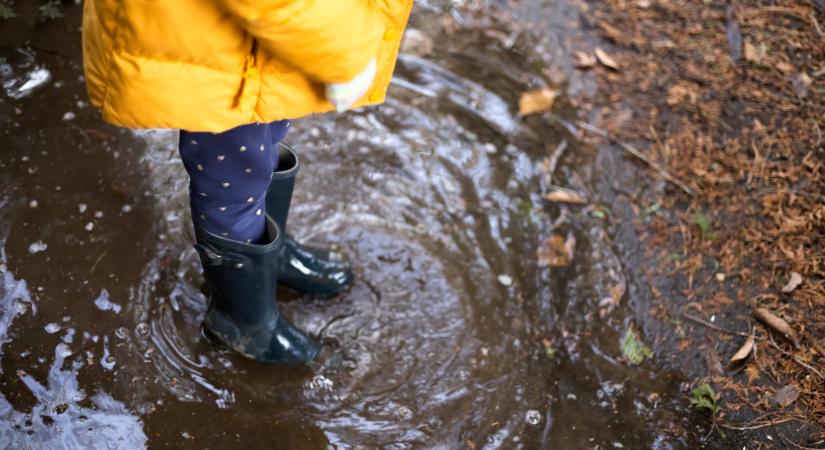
(752, 54)
(800, 83)
(775, 323)
(681, 92)
(606, 59)
(785, 395)
(536, 101)
(785, 67)
(583, 60)
(564, 196)
(743, 353)
(712, 360)
(793, 283)
(752, 372)
(417, 43)
(556, 251)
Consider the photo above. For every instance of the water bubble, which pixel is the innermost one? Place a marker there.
(82, 208)
(68, 116)
(33, 204)
(533, 417)
(142, 329)
(37, 247)
(404, 413)
(121, 332)
(90, 226)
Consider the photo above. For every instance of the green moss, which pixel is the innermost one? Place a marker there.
(633, 349)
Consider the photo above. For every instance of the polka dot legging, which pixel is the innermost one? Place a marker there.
(229, 174)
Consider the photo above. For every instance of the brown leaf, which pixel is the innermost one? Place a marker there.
(564, 196)
(800, 82)
(583, 60)
(793, 283)
(556, 251)
(417, 43)
(609, 31)
(536, 101)
(752, 54)
(775, 323)
(743, 353)
(785, 395)
(681, 92)
(785, 67)
(712, 360)
(752, 373)
(606, 59)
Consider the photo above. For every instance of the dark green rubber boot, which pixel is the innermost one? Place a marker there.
(303, 268)
(243, 313)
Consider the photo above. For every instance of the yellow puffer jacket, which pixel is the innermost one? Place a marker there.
(211, 65)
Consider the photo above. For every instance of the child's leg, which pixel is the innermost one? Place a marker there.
(277, 132)
(229, 174)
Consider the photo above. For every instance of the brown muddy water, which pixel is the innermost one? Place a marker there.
(435, 195)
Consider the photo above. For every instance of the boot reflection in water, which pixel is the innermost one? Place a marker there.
(240, 189)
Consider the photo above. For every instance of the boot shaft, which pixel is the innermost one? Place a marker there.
(241, 276)
(282, 185)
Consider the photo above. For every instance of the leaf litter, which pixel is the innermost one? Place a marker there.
(731, 98)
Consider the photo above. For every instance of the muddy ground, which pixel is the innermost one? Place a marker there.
(484, 315)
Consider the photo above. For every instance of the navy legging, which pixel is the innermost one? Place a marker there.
(229, 173)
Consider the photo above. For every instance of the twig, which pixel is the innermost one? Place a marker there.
(704, 322)
(97, 261)
(756, 427)
(554, 160)
(633, 151)
(798, 445)
(798, 361)
(816, 25)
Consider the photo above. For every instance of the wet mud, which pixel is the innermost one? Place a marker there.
(452, 336)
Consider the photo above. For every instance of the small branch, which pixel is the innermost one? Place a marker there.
(798, 361)
(798, 445)
(633, 151)
(816, 26)
(756, 427)
(554, 160)
(704, 322)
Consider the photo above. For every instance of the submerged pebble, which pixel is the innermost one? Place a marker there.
(505, 280)
(52, 328)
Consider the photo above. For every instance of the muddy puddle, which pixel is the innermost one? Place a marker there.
(452, 336)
